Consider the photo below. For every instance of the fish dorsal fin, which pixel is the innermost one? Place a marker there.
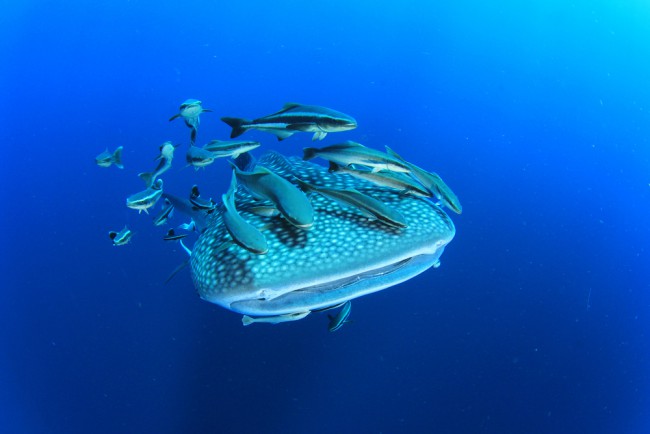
(394, 154)
(290, 105)
(345, 145)
(262, 171)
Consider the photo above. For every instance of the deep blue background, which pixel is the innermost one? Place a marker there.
(537, 115)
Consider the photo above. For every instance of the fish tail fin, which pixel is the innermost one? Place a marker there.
(245, 161)
(247, 320)
(237, 125)
(334, 167)
(112, 235)
(308, 153)
(117, 157)
(147, 177)
(193, 136)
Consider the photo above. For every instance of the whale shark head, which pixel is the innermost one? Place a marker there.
(343, 256)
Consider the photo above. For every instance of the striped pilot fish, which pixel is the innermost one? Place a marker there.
(294, 118)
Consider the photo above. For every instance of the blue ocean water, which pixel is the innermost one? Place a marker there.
(535, 113)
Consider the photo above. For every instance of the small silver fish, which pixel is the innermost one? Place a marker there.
(122, 237)
(198, 157)
(294, 118)
(230, 148)
(336, 322)
(247, 320)
(350, 152)
(105, 159)
(242, 232)
(165, 214)
(432, 182)
(368, 206)
(287, 198)
(190, 111)
(145, 199)
(166, 156)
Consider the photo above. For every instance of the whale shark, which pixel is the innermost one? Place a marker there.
(344, 255)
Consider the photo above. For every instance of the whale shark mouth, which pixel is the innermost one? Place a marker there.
(326, 295)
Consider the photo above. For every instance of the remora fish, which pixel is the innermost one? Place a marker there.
(105, 159)
(165, 214)
(336, 322)
(173, 236)
(287, 198)
(122, 237)
(351, 152)
(247, 320)
(385, 178)
(166, 156)
(144, 200)
(190, 111)
(343, 256)
(243, 233)
(198, 157)
(368, 206)
(230, 148)
(434, 183)
(198, 203)
(294, 118)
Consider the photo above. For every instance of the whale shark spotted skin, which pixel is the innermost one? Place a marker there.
(344, 255)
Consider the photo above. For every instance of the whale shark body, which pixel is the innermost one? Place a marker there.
(342, 256)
